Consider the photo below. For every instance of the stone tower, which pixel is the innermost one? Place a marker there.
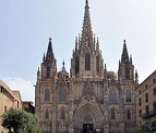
(46, 78)
(126, 67)
(87, 60)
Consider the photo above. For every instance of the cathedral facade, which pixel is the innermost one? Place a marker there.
(89, 99)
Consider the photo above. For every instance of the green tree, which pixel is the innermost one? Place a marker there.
(18, 121)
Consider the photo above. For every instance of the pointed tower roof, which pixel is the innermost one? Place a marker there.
(50, 54)
(125, 55)
(87, 35)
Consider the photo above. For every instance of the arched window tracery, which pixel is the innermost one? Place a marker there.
(46, 95)
(87, 62)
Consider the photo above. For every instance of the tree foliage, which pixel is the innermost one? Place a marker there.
(18, 121)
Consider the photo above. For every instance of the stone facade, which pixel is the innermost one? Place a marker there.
(146, 99)
(90, 98)
(8, 99)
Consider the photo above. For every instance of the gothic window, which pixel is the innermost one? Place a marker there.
(48, 72)
(87, 62)
(128, 115)
(46, 114)
(127, 73)
(62, 95)
(128, 96)
(62, 115)
(97, 64)
(77, 65)
(113, 117)
(46, 95)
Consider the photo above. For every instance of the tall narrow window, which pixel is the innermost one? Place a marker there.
(147, 109)
(48, 72)
(87, 62)
(46, 114)
(77, 65)
(62, 115)
(128, 96)
(154, 107)
(97, 64)
(46, 95)
(113, 114)
(146, 97)
(140, 102)
(128, 115)
(127, 73)
(154, 91)
(62, 95)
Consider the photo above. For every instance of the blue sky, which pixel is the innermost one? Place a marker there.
(26, 25)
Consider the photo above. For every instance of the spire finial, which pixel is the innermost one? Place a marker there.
(87, 3)
(49, 55)
(125, 55)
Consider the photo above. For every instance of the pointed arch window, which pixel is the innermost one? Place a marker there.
(97, 64)
(77, 64)
(46, 114)
(62, 95)
(87, 62)
(62, 115)
(128, 115)
(113, 116)
(46, 95)
(48, 72)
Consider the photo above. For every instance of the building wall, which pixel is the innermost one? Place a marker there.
(7, 100)
(146, 98)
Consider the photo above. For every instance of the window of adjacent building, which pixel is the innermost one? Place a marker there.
(146, 97)
(46, 95)
(140, 113)
(87, 62)
(46, 114)
(48, 72)
(77, 65)
(62, 95)
(146, 86)
(154, 107)
(113, 117)
(128, 115)
(154, 91)
(147, 109)
(154, 81)
(140, 102)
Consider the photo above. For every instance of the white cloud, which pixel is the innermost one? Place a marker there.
(25, 87)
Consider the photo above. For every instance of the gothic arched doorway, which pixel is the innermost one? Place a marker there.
(87, 119)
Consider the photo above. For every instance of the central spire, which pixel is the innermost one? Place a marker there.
(87, 35)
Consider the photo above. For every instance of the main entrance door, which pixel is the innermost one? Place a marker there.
(88, 128)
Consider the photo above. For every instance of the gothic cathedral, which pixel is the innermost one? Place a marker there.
(90, 99)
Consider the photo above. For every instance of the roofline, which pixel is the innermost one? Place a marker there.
(146, 79)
